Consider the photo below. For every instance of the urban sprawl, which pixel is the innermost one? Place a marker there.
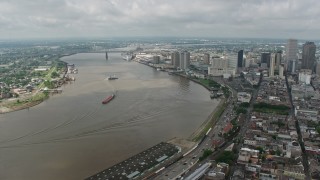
(268, 124)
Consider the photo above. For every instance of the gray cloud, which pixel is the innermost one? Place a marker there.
(108, 18)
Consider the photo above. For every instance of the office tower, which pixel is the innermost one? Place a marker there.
(156, 59)
(291, 53)
(271, 68)
(240, 58)
(184, 60)
(292, 66)
(232, 61)
(206, 58)
(175, 57)
(308, 55)
(318, 68)
(277, 62)
(281, 69)
(265, 58)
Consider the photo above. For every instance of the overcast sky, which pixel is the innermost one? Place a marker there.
(196, 18)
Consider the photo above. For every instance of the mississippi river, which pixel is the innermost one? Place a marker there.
(73, 135)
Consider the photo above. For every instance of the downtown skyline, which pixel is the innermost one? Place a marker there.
(183, 18)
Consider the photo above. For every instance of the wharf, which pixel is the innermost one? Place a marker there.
(140, 164)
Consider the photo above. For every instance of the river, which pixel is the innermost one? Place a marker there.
(73, 135)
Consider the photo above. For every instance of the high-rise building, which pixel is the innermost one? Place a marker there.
(292, 65)
(175, 57)
(156, 59)
(232, 61)
(240, 58)
(281, 69)
(184, 60)
(291, 53)
(318, 68)
(265, 58)
(206, 58)
(308, 56)
(277, 62)
(271, 68)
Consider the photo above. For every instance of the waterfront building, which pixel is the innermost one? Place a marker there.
(308, 55)
(240, 59)
(175, 57)
(206, 58)
(184, 60)
(291, 54)
(156, 59)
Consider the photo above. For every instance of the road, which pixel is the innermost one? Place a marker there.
(304, 155)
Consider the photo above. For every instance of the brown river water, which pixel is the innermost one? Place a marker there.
(73, 135)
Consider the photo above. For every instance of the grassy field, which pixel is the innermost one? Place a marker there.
(27, 102)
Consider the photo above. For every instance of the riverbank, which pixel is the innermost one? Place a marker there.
(22, 103)
(212, 118)
(35, 98)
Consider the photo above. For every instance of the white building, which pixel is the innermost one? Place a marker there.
(219, 67)
(305, 76)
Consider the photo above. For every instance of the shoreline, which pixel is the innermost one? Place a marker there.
(26, 105)
(211, 120)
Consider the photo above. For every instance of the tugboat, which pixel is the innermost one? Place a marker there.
(113, 77)
(108, 99)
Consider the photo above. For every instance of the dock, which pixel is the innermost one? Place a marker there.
(139, 165)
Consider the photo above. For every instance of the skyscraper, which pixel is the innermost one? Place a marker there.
(291, 54)
(308, 55)
(240, 58)
(278, 59)
(265, 58)
(206, 58)
(175, 57)
(232, 61)
(271, 68)
(184, 60)
(156, 59)
(292, 65)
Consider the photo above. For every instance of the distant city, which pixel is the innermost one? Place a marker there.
(266, 126)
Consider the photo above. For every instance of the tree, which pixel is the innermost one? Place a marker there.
(226, 157)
